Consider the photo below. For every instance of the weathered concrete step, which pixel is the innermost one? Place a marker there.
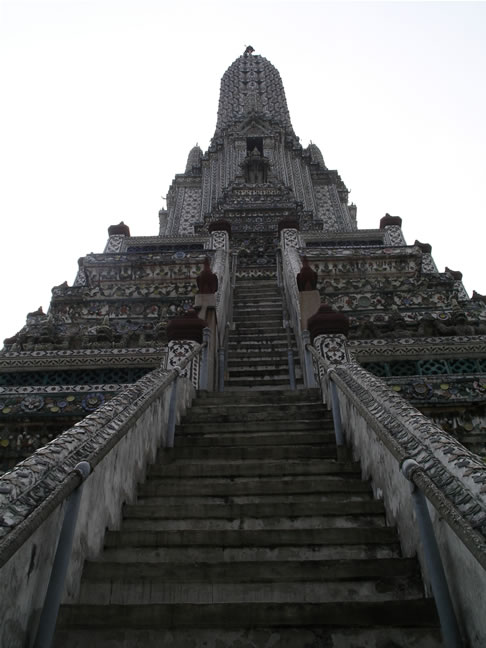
(253, 523)
(194, 468)
(188, 436)
(275, 382)
(259, 426)
(243, 453)
(252, 572)
(303, 396)
(413, 613)
(272, 538)
(254, 319)
(252, 498)
(259, 372)
(150, 591)
(253, 334)
(271, 307)
(276, 637)
(249, 486)
(257, 412)
(260, 362)
(247, 332)
(260, 386)
(261, 347)
(233, 511)
(227, 555)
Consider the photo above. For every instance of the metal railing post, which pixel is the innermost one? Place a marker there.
(172, 413)
(290, 357)
(336, 417)
(445, 610)
(310, 380)
(204, 371)
(221, 363)
(55, 589)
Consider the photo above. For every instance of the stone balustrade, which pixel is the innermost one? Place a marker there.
(119, 439)
(382, 429)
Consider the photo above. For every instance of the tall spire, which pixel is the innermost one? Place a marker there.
(251, 85)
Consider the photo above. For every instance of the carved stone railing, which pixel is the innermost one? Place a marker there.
(291, 266)
(221, 268)
(118, 440)
(383, 430)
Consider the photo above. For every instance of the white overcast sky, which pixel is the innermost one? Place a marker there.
(101, 101)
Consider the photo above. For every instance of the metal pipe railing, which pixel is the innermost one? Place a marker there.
(411, 469)
(52, 601)
(223, 348)
(435, 569)
(310, 380)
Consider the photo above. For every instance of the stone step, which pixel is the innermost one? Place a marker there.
(271, 382)
(153, 591)
(194, 468)
(205, 453)
(270, 358)
(244, 637)
(246, 486)
(281, 498)
(253, 348)
(335, 507)
(242, 538)
(254, 307)
(413, 613)
(247, 318)
(252, 524)
(250, 572)
(258, 328)
(272, 430)
(252, 437)
(240, 338)
(260, 373)
(258, 345)
(227, 555)
(303, 396)
(253, 412)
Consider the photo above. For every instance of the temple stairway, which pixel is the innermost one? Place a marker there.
(257, 357)
(250, 532)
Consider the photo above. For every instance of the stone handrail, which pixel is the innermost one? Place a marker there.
(120, 437)
(383, 428)
(452, 477)
(291, 266)
(221, 268)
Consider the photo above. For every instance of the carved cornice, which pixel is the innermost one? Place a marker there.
(373, 350)
(15, 360)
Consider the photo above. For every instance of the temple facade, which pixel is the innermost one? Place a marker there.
(410, 324)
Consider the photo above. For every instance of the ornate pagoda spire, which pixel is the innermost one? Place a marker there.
(252, 85)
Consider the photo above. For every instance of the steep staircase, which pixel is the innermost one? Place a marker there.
(251, 533)
(258, 345)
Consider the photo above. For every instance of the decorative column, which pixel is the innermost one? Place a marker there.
(116, 236)
(428, 264)
(205, 304)
(309, 297)
(328, 331)
(290, 244)
(393, 230)
(184, 333)
(220, 233)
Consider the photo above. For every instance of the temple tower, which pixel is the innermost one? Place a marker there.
(108, 328)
